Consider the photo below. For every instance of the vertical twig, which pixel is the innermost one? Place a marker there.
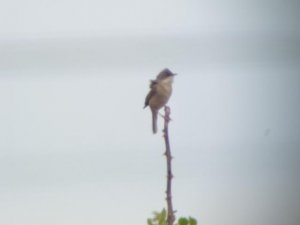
(171, 216)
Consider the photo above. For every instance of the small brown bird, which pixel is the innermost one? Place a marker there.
(160, 92)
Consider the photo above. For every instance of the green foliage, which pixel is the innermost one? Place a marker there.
(192, 221)
(183, 221)
(187, 221)
(160, 218)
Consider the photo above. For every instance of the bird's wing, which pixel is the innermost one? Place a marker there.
(151, 92)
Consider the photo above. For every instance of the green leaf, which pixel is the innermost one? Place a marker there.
(162, 217)
(164, 214)
(156, 216)
(192, 221)
(183, 221)
(149, 221)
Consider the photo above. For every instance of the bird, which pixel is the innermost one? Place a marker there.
(159, 94)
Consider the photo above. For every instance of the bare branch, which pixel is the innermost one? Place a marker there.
(171, 213)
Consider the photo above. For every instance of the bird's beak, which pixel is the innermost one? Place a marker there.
(175, 74)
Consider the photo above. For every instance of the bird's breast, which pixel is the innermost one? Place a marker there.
(161, 96)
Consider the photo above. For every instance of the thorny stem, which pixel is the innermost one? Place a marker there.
(171, 216)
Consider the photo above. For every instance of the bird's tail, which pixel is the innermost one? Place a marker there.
(154, 121)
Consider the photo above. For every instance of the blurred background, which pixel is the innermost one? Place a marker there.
(76, 146)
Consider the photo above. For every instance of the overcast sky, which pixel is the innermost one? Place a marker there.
(35, 18)
(76, 145)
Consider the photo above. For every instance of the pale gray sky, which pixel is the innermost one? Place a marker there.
(34, 18)
(76, 147)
